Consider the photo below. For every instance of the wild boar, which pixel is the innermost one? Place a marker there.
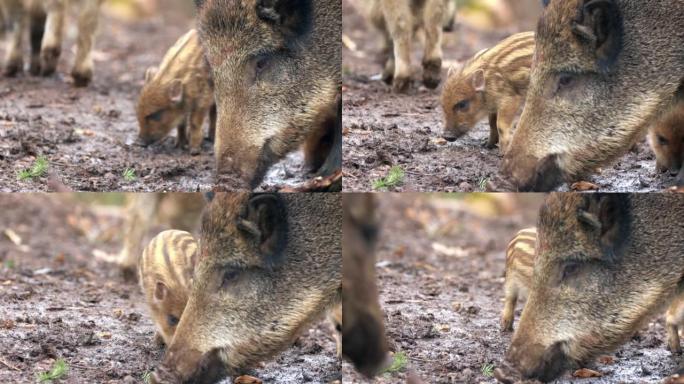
(492, 84)
(179, 94)
(449, 18)
(606, 264)
(166, 269)
(601, 75)
(667, 140)
(363, 329)
(277, 72)
(45, 19)
(520, 257)
(269, 266)
(398, 21)
(144, 211)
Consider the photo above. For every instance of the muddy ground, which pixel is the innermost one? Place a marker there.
(58, 301)
(87, 134)
(382, 129)
(440, 264)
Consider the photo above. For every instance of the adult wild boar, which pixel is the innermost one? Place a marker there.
(269, 266)
(603, 71)
(605, 266)
(276, 67)
(363, 330)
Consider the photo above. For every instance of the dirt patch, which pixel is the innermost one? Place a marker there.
(57, 301)
(87, 134)
(440, 266)
(382, 129)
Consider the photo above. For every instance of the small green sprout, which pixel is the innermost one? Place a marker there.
(37, 170)
(59, 370)
(394, 178)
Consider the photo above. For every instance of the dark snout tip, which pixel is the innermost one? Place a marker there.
(450, 139)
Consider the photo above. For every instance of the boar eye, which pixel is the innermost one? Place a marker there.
(565, 80)
(662, 140)
(229, 276)
(172, 320)
(462, 105)
(569, 270)
(157, 116)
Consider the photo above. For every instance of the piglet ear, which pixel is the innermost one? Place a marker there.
(607, 217)
(292, 17)
(199, 4)
(478, 80)
(265, 225)
(600, 28)
(160, 291)
(176, 91)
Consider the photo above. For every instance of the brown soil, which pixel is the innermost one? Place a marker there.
(87, 134)
(440, 265)
(58, 301)
(383, 129)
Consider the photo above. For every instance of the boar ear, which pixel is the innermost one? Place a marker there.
(160, 291)
(265, 222)
(478, 80)
(545, 3)
(149, 74)
(176, 91)
(292, 17)
(600, 26)
(606, 215)
(199, 3)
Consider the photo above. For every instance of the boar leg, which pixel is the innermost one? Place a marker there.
(52, 39)
(140, 213)
(674, 317)
(195, 132)
(181, 137)
(323, 149)
(510, 300)
(388, 55)
(504, 123)
(38, 18)
(432, 59)
(16, 18)
(680, 177)
(87, 26)
(493, 132)
(212, 123)
(400, 26)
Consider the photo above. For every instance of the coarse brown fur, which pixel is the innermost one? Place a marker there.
(603, 72)
(179, 94)
(270, 265)
(166, 269)
(667, 140)
(363, 330)
(492, 84)
(399, 21)
(44, 19)
(276, 67)
(606, 264)
(520, 257)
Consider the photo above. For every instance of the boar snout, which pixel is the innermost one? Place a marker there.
(189, 367)
(364, 343)
(531, 174)
(453, 133)
(534, 361)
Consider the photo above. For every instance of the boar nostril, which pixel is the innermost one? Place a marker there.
(449, 138)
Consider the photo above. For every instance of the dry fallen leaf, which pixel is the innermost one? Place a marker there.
(583, 186)
(12, 236)
(246, 379)
(585, 373)
(674, 379)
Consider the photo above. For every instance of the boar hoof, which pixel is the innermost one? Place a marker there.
(432, 73)
(82, 79)
(34, 68)
(489, 144)
(49, 58)
(387, 76)
(401, 84)
(506, 325)
(13, 68)
(194, 151)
